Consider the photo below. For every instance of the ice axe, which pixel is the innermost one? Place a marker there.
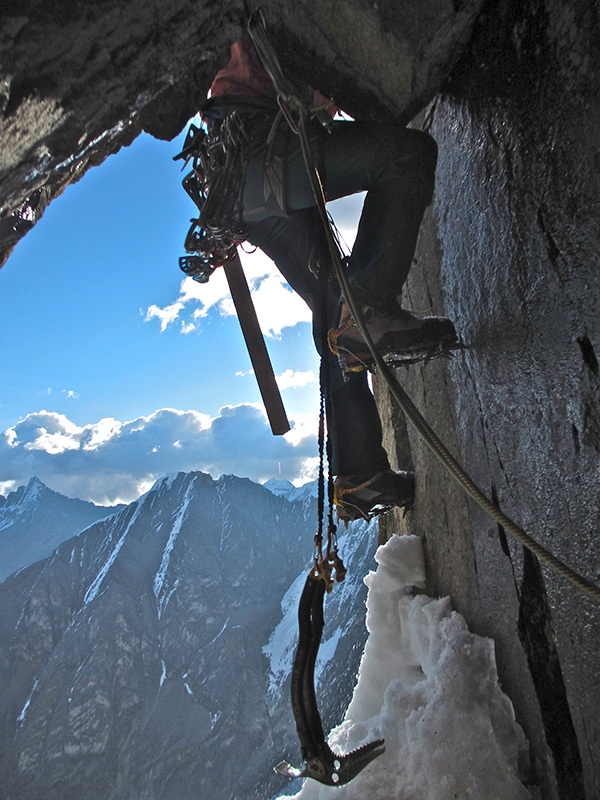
(320, 762)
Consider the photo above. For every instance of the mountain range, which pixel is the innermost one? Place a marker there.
(149, 655)
(34, 520)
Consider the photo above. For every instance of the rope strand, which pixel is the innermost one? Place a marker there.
(430, 438)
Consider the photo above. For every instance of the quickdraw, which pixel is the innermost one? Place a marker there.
(215, 184)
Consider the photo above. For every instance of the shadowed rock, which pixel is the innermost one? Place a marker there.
(79, 82)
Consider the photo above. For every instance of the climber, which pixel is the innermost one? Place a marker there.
(396, 166)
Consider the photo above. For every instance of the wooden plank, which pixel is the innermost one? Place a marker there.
(257, 349)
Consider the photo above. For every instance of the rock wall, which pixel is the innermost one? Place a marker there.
(511, 252)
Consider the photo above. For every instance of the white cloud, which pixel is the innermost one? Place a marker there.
(165, 315)
(309, 472)
(295, 380)
(54, 434)
(112, 461)
(277, 306)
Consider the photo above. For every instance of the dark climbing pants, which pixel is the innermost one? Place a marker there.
(395, 166)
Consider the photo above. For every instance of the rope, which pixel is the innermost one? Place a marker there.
(464, 480)
(430, 438)
(411, 412)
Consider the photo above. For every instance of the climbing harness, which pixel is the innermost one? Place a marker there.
(411, 412)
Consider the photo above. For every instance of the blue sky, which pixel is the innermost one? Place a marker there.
(116, 369)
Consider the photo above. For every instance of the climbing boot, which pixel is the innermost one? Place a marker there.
(365, 496)
(395, 332)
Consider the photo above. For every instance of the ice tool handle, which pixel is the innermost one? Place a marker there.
(320, 762)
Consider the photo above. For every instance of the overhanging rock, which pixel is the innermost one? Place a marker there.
(79, 82)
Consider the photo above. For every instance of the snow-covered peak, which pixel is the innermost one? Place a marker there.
(35, 519)
(283, 488)
(26, 495)
(280, 487)
(35, 486)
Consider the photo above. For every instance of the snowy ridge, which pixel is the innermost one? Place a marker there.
(165, 482)
(283, 488)
(94, 588)
(159, 578)
(429, 687)
(21, 501)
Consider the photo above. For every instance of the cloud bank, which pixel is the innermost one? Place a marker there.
(111, 461)
(277, 306)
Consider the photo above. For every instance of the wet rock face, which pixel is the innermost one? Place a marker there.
(80, 81)
(511, 253)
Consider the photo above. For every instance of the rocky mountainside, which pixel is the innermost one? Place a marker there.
(149, 656)
(34, 520)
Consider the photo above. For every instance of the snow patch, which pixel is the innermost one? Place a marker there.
(93, 590)
(430, 688)
(159, 578)
(281, 646)
(221, 631)
(327, 653)
(23, 714)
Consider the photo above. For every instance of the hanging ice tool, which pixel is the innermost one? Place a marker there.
(320, 762)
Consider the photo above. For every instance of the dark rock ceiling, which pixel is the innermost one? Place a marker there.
(79, 80)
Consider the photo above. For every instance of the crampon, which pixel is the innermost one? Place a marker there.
(424, 355)
(420, 355)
